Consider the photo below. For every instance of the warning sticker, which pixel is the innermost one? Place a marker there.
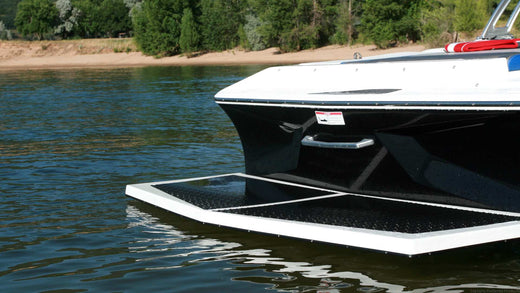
(330, 118)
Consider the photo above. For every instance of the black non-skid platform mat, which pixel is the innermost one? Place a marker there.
(347, 210)
(376, 214)
(231, 191)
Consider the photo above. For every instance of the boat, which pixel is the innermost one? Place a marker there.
(408, 153)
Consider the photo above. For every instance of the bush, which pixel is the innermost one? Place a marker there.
(468, 16)
(254, 39)
(5, 34)
(36, 17)
(220, 20)
(157, 27)
(387, 22)
(305, 37)
(437, 24)
(189, 39)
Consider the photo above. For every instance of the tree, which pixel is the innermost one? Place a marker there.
(131, 4)
(220, 20)
(36, 17)
(189, 39)
(102, 18)
(157, 26)
(8, 12)
(328, 13)
(88, 23)
(305, 31)
(276, 17)
(386, 22)
(345, 19)
(114, 18)
(295, 24)
(437, 20)
(5, 34)
(251, 29)
(68, 15)
(469, 15)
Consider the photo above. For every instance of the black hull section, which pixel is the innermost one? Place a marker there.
(468, 158)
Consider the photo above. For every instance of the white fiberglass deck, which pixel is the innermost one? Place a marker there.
(286, 209)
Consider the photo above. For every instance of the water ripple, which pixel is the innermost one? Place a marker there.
(70, 140)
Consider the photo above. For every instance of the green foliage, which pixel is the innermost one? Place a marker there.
(8, 12)
(168, 27)
(102, 18)
(243, 42)
(36, 17)
(276, 17)
(327, 22)
(69, 16)
(387, 22)
(189, 38)
(114, 18)
(220, 21)
(5, 34)
(295, 24)
(131, 4)
(88, 19)
(305, 33)
(255, 40)
(302, 24)
(469, 15)
(437, 23)
(157, 27)
(343, 24)
(443, 20)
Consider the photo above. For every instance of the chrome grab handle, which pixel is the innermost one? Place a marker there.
(308, 140)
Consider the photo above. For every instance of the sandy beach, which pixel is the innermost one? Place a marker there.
(19, 55)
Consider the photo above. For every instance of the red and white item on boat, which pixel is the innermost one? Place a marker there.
(482, 45)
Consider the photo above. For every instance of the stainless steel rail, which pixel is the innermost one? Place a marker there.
(491, 32)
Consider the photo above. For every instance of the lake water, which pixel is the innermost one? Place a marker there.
(70, 140)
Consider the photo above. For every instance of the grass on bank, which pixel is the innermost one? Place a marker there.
(79, 46)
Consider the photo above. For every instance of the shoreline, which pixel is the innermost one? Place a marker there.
(68, 54)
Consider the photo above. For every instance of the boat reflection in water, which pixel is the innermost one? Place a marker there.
(257, 261)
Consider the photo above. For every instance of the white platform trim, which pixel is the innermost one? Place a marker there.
(394, 242)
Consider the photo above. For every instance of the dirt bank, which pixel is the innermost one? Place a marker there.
(16, 55)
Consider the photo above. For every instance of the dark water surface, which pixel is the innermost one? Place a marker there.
(70, 140)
